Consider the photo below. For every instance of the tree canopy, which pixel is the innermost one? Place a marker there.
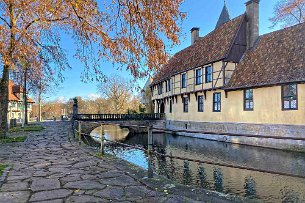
(126, 32)
(289, 12)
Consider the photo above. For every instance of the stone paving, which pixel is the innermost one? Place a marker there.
(50, 167)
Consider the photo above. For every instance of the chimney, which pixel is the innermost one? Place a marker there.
(194, 34)
(252, 22)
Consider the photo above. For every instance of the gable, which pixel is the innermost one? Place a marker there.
(215, 46)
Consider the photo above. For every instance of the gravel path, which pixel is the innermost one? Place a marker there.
(49, 167)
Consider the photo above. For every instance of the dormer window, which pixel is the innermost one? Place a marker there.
(183, 80)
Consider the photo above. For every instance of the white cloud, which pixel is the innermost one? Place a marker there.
(62, 99)
(93, 96)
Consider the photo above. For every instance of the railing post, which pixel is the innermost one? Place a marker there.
(79, 132)
(150, 172)
(102, 138)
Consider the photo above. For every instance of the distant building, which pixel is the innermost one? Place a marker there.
(16, 104)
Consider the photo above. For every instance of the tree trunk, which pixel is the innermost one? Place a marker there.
(39, 101)
(39, 108)
(4, 101)
(25, 99)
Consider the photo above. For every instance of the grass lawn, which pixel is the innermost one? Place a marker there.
(13, 139)
(2, 167)
(27, 128)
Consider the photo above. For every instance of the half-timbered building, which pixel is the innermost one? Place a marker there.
(233, 76)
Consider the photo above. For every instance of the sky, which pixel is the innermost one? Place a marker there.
(200, 13)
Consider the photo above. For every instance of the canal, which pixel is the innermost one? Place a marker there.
(257, 173)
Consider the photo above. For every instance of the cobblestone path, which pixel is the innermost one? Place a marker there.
(48, 167)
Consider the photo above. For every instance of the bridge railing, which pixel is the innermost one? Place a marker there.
(117, 117)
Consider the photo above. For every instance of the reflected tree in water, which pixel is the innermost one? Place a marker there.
(172, 167)
(250, 187)
(218, 180)
(289, 195)
(202, 180)
(187, 174)
(162, 163)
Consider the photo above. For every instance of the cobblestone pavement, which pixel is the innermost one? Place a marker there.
(49, 167)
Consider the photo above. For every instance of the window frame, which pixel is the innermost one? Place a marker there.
(200, 104)
(198, 78)
(295, 98)
(169, 85)
(185, 105)
(210, 79)
(160, 87)
(183, 82)
(217, 102)
(248, 100)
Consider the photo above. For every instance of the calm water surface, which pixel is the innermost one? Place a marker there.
(269, 186)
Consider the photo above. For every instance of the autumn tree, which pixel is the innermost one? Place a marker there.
(125, 32)
(289, 12)
(118, 92)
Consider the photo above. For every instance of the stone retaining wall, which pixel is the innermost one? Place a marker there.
(240, 129)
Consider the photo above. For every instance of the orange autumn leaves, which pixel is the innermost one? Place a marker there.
(289, 12)
(127, 32)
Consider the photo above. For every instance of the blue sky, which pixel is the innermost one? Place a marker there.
(200, 13)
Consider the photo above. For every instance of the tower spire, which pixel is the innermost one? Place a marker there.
(224, 16)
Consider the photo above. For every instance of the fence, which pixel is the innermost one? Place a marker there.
(116, 117)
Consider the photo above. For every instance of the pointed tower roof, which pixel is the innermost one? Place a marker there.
(224, 16)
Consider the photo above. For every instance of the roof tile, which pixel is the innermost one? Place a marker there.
(213, 47)
(278, 57)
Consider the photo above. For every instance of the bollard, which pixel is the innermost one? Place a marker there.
(79, 133)
(102, 140)
(150, 172)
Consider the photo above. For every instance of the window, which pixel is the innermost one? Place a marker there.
(183, 80)
(160, 88)
(169, 85)
(198, 76)
(185, 101)
(170, 106)
(208, 74)
(248, 100)
(217, 102)
(200, 103)
(289, 97)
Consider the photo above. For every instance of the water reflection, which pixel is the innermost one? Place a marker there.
(112, 132)
(250, 188)
(218, 180)
(269, 187)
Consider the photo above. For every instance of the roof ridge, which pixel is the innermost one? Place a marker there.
(283, 29)
(200, 38)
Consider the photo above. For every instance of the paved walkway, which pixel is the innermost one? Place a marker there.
(48, 167)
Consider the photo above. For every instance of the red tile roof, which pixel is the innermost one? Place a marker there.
(14, 93)
(213, 47)
(278, 57)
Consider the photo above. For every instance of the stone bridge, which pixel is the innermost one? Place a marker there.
(136, 123)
